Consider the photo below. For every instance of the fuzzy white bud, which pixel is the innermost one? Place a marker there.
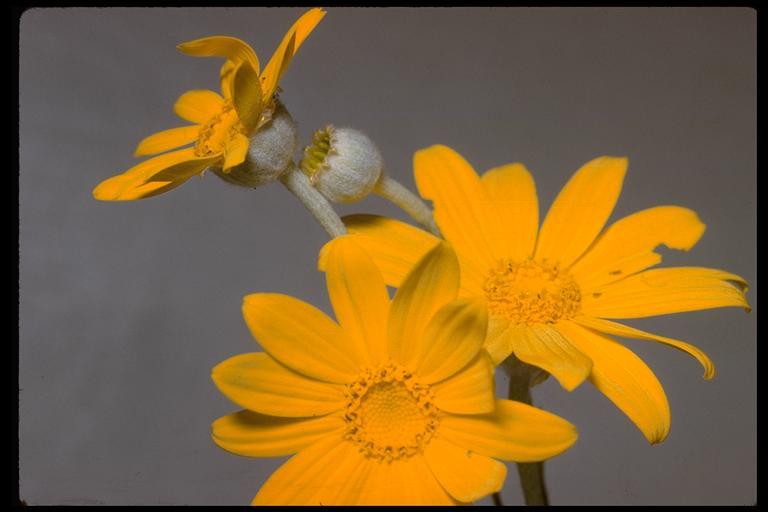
(343, 164)
(270, 152)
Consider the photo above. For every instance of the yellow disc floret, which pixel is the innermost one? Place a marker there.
(389, 415)
(314, 159)
(531, 292)
(219, 131)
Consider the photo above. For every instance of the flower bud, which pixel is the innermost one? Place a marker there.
(343, 164)
(269, 153)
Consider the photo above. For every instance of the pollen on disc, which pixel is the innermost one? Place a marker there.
(531, 292)
(390, 415)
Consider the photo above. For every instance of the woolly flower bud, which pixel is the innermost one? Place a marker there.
(270, 151)
(343, 164)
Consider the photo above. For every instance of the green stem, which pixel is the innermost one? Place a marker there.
(300, 186)
(531, 473)
(410, 203)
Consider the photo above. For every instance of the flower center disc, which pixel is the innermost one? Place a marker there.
(531, 292)
(390, 415)
(219, 131)
(313, 161)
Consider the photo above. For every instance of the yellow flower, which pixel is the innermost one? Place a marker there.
(394, 404)
(549, 292)
(222, 125)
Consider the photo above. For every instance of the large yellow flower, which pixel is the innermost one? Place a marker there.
(394, 404)
(550, 292)
(222, 125)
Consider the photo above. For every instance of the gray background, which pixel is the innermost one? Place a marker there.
(125, 308)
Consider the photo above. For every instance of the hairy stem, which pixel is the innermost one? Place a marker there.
(299, 185)
(409, 202)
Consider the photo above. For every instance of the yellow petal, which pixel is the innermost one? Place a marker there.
(666, 290)
(252, 434)
(198, 106)
(452, 339)
(259, 383)
(118, 188)
(431, 284)
(153, 176)
(168, 139)
(514, 431)
(404, 482)
(625, 379)
(246, 96)
(616, 329)
(512, 193)
(321, 474)
(231, 48)
(290, 44)
(301, 337)
(470, 391)
(238, 54)
(358, 295)
(394, 246)
(227, 79)
(627, 245)
(462, 209)
(236, 151)
(466, 475)
(545, 347)
(498, 341)
(581, 210)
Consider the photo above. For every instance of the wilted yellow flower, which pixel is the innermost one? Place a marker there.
(394, 404)
(549, 292)
(223, 124)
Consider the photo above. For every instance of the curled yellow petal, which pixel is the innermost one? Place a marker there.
(231, 48)
(666, 290)
(625, 379)
(288, 47)
(616, 329)
(246, 96)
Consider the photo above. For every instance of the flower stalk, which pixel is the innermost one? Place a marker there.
(300, 186)
(521, 377)
(409, 202)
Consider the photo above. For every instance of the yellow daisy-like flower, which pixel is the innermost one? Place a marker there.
(550, 292)
(394, 404)
(222, 125)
